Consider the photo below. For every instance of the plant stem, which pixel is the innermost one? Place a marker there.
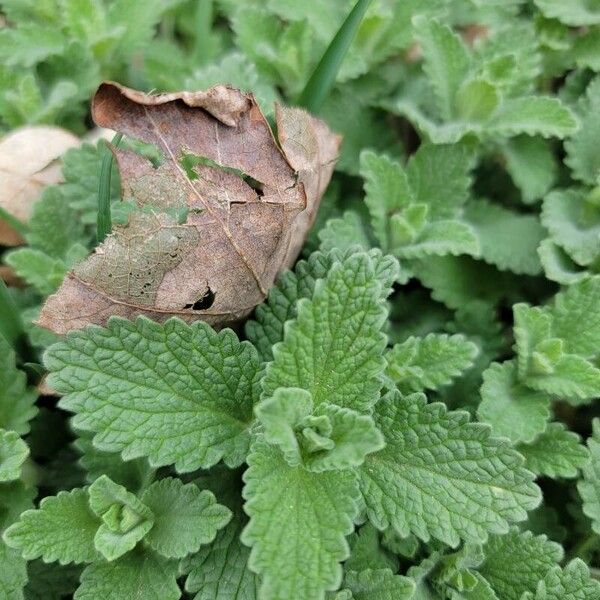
(104, 222)
(323, 78)
(589, 543)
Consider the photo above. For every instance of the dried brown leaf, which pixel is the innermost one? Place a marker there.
(29, 162)
(249, 203)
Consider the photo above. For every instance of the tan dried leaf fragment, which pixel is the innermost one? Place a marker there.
(29, 162)
(249, 203)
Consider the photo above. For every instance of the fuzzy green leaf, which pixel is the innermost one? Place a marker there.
(62, 530)
(589, 485)
(527, 558)
(338, 334)
(446, 62)
(16, 399)
(175, 393)
(556, 452)
(507, 239)
(378, 584)
(136, 575)
(328, 438)
(185, 518)
(429, 363)
(512, 409)
(429, 452)
(125, 518)
(13, 453)
(281, 304)
(574, 12)
(298, 523)
(573, 582)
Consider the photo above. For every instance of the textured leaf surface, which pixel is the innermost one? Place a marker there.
(573, 582)
(13, 453)
(62, 530)
(589, 485)
(515, 562)
(13, 574)
(298, 524)
(379, 584)
(135, 575)
(281, 306)
(507, 239)
(575, 12)
(338, 336)
(512, 409)
(440, 476)
(430, 362)
(328, 438)
(125, 518)
(16, 399)
(185, 518)
(174, 393)
(556, 452)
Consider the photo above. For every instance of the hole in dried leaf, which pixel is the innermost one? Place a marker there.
(206, 301)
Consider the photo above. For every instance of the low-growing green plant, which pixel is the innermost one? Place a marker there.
(412, 412)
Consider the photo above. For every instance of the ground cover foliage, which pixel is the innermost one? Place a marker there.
(410, 412)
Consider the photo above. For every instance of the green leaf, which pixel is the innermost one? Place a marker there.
(51, 581)
(573, 221)
(338, 333)
(386, 191)
(589, 485)
(136, 575)
(219, 571)
(328, 438)
(555, 453)
(379, 584)
(125, 518)
(133, 474)
(476, 100)
(298, 523)
(512, 409)
(446, 62)
(476, 485)
(521, 555)
(367, 551)
(13, 574)
(13, 453)
(344, 233)
(54, 226)
(507, 239)
(581, 157)
(281, 304)
(576, 317)
(440, 176)
(533, 115)
(429, 363)
(38, 269)
(30, 44)
(532, 166)
(62, 530)
(575, 12)
(573, 581)
(185, 518)
(17, 401)
(175, 393)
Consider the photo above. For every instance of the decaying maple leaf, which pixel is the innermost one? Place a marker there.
(247, 204)
(29, 162)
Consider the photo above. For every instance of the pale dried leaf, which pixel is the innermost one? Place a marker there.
(29, 162)
(249, 205)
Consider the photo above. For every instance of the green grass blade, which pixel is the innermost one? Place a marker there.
(104, 222)
(323, 78)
